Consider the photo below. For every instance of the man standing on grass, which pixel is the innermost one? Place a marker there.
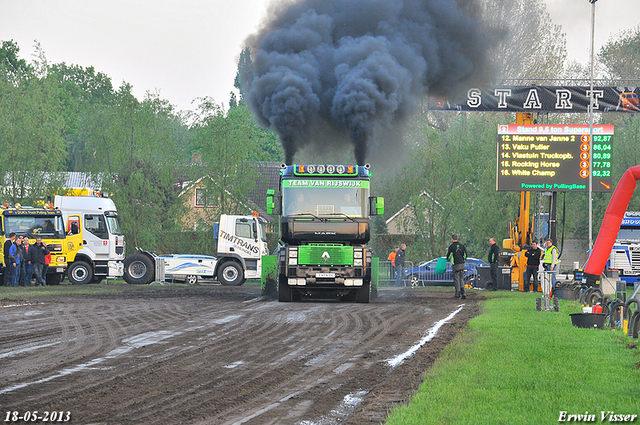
(8, 266)
(400, 264)
(37, 255)
(494, 253)
(533, 254)
(457, 254)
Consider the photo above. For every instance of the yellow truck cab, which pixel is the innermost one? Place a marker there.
(38, 222)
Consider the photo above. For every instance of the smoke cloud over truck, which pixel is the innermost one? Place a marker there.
(355, 67)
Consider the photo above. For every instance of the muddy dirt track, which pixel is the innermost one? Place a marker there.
(221, 355)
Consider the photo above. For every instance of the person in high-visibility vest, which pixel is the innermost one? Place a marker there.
(392, 258)
(550, 259)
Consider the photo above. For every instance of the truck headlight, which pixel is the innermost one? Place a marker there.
(293, 252)
(357, 254)
(357, 263)
(293, 261)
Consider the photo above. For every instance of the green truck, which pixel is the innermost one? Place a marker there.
(325, 226)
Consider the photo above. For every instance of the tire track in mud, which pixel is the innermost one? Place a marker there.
(215, 355)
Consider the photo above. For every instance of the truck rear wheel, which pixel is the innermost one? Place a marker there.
(54, 279)
(139, 269)
(285, 294)
(362, 294)
(230, 274)
(80, 273)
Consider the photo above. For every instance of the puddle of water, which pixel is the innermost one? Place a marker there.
(137, 341)
(15, 352)
(431, 333)
(344, 410)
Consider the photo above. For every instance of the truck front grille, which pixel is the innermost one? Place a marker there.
(334, 254)
(54, 247)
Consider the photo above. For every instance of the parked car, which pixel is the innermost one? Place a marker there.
(425, 274)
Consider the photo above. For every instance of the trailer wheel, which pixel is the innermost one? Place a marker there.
(80, 273)
(139, 269)
(634, 324)
(191, 279)
(285, 294)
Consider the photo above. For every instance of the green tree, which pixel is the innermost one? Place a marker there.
(620, 56)
(31, 128)
(11, 66)
(530, 45)
(136, 149)
(79, 90)
(227, 146)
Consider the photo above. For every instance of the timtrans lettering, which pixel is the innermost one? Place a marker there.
(236, 240)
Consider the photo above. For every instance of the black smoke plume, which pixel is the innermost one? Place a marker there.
(358, 65)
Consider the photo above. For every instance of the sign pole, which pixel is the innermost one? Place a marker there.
(593, 24)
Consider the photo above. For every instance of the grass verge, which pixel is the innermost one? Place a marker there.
(516, 365)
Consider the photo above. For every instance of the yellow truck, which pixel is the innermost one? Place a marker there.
(44, 222)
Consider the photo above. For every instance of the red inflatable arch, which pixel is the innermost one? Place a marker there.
(611, 224)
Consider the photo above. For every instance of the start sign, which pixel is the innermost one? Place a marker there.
(553, 158)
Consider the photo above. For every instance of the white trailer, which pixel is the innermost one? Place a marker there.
(189, 268)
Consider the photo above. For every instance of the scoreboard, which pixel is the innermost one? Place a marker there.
(553, 158)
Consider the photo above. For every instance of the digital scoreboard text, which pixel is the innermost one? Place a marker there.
(553, 157)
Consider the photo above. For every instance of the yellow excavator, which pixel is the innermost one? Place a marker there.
(521, 230)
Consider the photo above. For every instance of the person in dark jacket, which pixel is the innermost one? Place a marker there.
(27, 268)
(16, 259)
(400, 264)
(37, 254)
(457, 255)
(494, 253)
(533, 254)
(8, 269)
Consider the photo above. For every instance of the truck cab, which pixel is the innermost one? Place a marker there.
(93, 225)
(241, 243)
(325, 226)
(46, 223)
(625, 254)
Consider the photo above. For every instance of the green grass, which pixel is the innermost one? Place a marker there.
(516, 365)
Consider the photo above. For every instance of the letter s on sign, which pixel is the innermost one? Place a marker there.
(474, 98)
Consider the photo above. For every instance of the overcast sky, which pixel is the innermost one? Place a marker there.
(189, 48)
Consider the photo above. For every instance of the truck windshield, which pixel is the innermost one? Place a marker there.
(263, 233)
(351, 202)
(113, 222)
(629, 234)
(49, 227)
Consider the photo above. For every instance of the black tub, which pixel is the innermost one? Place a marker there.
(588, 320)
(564, 293)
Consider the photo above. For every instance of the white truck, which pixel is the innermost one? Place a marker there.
(93, 227)
(625, 254)
(241, 243)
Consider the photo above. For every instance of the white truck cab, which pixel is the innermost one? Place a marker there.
(242, 241)
(101, 247)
